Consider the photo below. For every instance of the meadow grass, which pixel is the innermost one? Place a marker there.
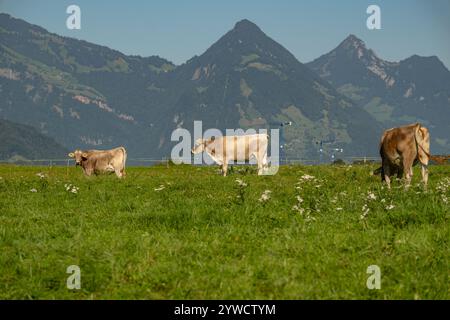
(185, 232)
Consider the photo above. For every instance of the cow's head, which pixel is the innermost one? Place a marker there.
(79, 156)
(199, 146)
(203, 145)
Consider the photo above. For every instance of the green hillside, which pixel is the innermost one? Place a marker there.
(22, 142)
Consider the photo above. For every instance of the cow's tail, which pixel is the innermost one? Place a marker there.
(124, 160)
(380, 170)
(422, 138)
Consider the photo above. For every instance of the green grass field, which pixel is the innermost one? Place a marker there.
(185, 232)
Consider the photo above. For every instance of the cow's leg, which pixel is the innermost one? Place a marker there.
(407, 167)
(399, 172)
(378, 171)
(424, 171)
(386, 174)
(259, 161)
(260, 167)
(265, 162)
(118, 173)
(381, 173)
(224, 169)
(88, 171)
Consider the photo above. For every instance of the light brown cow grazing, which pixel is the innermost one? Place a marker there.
(402, 148)
(98, 161)
(230, 148)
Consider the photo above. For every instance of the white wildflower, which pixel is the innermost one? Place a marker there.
(365, 211)
(241, 183)
(265, 196)
(71, 188)
(442, 188)
(33, 190)
(339, 209)
(390, 207)
(307, 177)
(298, 209)
(40, 175)
(371, 196)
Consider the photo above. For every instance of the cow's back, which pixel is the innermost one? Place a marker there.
(397, 141)
(107, 159)
(243, 147)
(239, 147)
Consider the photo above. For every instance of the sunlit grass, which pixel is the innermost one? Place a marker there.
(185, 232)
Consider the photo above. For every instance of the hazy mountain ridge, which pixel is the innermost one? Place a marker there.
(247, 80)
(85, 95)
(22, 142)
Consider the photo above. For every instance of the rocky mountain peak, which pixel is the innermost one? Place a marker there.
(246, 26)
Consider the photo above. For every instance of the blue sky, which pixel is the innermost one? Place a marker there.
(178, 30)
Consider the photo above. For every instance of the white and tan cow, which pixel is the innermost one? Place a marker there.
(99, 161)
(235, 148)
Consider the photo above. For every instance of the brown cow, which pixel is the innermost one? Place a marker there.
(97, 161)
(402, 148)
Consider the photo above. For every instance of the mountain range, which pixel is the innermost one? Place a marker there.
(416, 89)
(89, 96)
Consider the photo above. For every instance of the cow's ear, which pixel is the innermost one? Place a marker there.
(71, 155)
(84, 155)
(206, 142)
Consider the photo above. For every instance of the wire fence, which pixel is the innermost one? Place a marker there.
(145, 162)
